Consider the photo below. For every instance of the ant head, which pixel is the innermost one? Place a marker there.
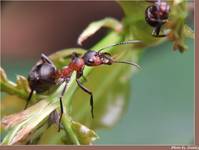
(93, 58)
(163, 9)
(96, 58)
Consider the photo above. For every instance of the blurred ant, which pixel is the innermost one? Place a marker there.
(157, 15)
(44, 76)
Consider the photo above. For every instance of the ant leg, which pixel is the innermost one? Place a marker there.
(61, 105)
(61, 113)
(45, 58)
(89, 92)
(29, 98)
(80, 74)
(156, 30)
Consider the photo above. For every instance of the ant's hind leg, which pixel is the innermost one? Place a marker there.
(29, 98)
(61, 105)
(89, 92)
(156, 32)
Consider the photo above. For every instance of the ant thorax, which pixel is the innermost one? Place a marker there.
(77, 64)
(64, 72)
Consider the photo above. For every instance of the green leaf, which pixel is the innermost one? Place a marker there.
(95, 26)
(21, 124)
(51, 136)
(21, 88)
(22, 83)
(178, 29)
(188, 32)
(177, 2)
(84, 134)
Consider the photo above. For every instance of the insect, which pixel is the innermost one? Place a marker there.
(44, 76)
(157, 15)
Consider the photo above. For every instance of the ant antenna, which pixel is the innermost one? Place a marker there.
(121, 43)
(129, 63)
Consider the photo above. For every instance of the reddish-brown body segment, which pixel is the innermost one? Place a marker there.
(76, 65)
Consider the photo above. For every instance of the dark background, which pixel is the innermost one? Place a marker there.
(29, 28)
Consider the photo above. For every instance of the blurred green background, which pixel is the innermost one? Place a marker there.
(161, 104)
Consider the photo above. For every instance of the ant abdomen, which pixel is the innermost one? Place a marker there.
(150, 17)
(155, 16)
(42, 76)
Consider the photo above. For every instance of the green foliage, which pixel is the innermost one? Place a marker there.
(110, 85)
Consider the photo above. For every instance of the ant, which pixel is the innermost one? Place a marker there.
(44, 76)
(157, 15)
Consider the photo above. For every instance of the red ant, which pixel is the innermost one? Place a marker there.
(44, 76)
(157, 15)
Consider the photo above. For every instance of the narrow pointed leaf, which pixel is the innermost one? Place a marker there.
(95, 26)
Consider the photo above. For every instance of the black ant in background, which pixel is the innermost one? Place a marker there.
(44, 76)
(157, 15)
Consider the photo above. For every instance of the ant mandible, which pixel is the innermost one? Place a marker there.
(157, 15)
(44, 76)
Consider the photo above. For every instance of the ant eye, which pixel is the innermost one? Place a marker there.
(91, 60)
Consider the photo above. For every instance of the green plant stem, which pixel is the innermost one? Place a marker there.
(68, 128)
(10, 88)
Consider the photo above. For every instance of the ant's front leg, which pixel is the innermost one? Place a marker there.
(80, 74)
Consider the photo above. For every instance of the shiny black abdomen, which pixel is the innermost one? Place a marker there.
(154, 17)
(150, 17)
(42, 77)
